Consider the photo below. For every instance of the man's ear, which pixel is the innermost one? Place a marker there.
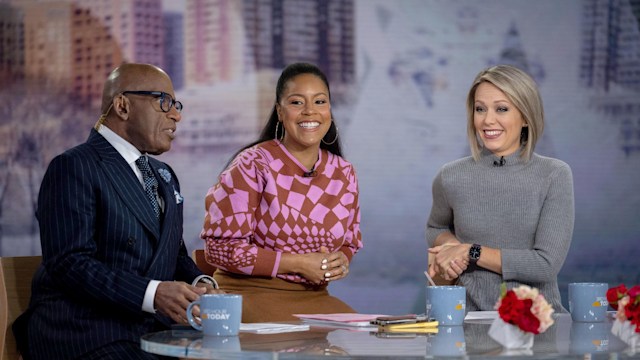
(121, 106)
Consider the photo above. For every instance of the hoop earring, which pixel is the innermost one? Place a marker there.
(276, 134)
(334, 139)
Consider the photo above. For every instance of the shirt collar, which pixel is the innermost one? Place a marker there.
(122, 146)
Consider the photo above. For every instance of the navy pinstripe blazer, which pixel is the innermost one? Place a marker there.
(101, 244)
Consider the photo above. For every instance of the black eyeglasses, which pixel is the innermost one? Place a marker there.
(166, 101)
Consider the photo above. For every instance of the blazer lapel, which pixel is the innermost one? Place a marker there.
(125, 182)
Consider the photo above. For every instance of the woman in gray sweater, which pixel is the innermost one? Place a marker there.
(504, 214)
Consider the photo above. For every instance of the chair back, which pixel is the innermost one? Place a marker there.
(16, 274)
(201, 262)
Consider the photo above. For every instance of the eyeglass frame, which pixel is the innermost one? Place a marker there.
(159, 94)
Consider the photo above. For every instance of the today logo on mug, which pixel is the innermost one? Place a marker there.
(588, 301)
(220, 314)
(217, 314)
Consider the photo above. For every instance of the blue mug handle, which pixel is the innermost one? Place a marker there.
(191, 318)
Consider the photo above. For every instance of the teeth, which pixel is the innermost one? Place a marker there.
(309, 124)
(492, 132)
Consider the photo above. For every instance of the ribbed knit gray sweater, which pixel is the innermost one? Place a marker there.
(525, 209)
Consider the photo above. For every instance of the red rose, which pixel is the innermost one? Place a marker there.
(615, 294)
(632, 312)
(527, 321)
(510, 308)
(515, 305)
(634, 293)
(518, 312)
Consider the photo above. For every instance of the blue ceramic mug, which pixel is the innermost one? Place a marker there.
(446, 304)
(588, 301)
(220, 314)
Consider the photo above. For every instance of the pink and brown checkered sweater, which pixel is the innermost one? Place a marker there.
(263, 206)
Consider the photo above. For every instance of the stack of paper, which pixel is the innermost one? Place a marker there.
(481, 317)
(356, 321)
(272, 328)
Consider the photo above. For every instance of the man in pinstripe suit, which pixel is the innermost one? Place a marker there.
(114, 262)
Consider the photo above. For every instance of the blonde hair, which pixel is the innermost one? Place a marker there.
(522, 91)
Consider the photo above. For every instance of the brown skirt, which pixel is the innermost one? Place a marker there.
(274, 299)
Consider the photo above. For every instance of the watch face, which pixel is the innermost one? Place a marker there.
(474, 252)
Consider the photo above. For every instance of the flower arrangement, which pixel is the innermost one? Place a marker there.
(626, 303)
(523, 312)
(627, 306)
(526, 308)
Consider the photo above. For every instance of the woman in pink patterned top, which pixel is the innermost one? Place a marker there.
(284, 218)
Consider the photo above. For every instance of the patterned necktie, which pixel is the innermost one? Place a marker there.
(150, 183)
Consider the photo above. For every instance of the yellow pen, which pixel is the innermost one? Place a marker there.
(412, 326)
(416, 330)
(419, 324)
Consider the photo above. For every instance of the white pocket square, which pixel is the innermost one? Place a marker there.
(179, 198)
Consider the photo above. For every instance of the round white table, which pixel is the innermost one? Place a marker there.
(565, 339)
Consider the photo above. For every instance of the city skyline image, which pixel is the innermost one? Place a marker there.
(399, 74)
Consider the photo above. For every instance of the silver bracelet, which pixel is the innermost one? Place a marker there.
(207, 280)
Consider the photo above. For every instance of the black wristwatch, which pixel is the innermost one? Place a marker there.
(474, 253)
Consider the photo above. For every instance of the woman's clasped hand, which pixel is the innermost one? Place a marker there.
(323, 266)
(449, 261)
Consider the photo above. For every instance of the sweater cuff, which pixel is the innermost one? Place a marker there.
(347, 251)
(267, 263)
